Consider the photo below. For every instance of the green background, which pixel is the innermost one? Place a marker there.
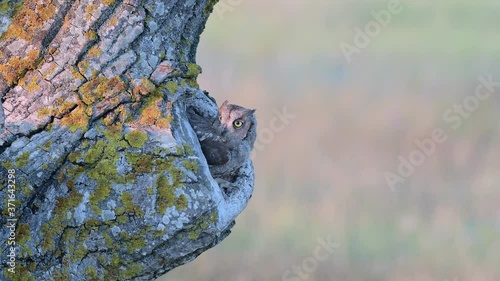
(322, 174)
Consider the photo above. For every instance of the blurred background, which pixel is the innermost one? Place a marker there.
(334, 126)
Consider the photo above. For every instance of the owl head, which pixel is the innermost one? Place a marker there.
(236, 120)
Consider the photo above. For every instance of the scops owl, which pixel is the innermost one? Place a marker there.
(226, 141)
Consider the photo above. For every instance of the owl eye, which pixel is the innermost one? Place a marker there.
(237, 123)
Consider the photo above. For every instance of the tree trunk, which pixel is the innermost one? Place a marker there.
(102, 176)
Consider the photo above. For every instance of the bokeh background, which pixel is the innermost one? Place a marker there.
(321, 171)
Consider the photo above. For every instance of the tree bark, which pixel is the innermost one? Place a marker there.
(102, 176)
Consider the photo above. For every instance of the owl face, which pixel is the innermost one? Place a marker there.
(236, 120)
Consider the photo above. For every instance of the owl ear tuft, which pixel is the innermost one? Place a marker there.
(225, 103)
(252, 111)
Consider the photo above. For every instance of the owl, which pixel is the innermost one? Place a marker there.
(227, 140)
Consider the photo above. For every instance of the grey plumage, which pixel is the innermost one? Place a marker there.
(227, 140)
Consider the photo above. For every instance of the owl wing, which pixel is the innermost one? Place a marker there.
(213, 145)
(203, 126)
(216, 153)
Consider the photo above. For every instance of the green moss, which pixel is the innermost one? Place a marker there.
(172, 87)
(190, 82)
(122, 219)
(193, 70)
(114, 134)
(136, 138)
(131, 271)
(4, 6)
(159, 233)
(110, 151)
(73, 157)
(165, 195)
(70, 184)
(148, 84)
(61, 275)
(7, 165)
(23, 233)
(47, 145)
(68, 235)
(190, 165)
(95, 152)
(85, 144)
(115, 260)
(72, 172)
(119, 211)
(22, 160)
(108, 240)
(104, 173)
(48, 243)
(97, 196)
(187, 149)
(201, 225)
(181, 203)
(79, 253)
(91, 273)
(130, 178)
(194, 234)
(129, 206)
(112, 270)
(150, 190)
(26, 188)
(65, 204)
(92, 223)
(104, 156)
(101, 259)
(135, 243)
(57, 224)
(141, 163)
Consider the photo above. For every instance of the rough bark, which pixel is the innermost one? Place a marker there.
(110, 180)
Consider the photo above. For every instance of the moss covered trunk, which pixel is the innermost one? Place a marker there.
(102, 176)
